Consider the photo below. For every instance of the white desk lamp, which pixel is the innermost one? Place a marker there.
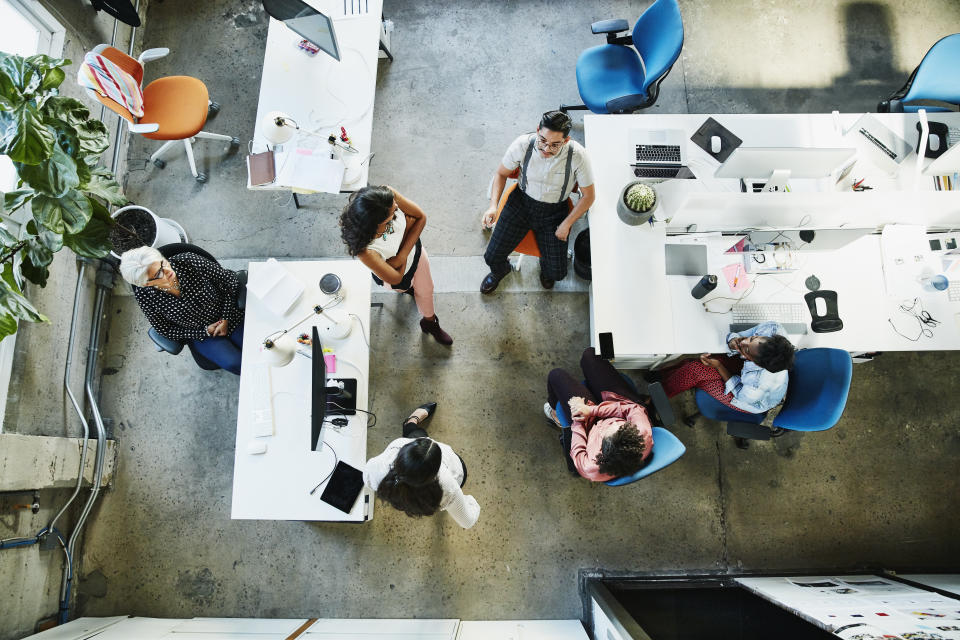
(280, 349)
(278, 127)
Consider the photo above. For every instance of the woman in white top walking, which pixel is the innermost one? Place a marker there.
(382, 228)
(421, 476)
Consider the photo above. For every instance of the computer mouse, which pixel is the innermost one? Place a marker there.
(256, 447)
(715, 144)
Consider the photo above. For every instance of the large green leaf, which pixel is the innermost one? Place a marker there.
(13, 304)
(6, 238)
(70, 110)
(53, 178)
(93, 137)
(52, 79)
(19, 79)
(43, 63)
(23, 136)
(13, 200)
(103, 185)
(50, 239)
(93, 241)
(68, 214)
(35, 260)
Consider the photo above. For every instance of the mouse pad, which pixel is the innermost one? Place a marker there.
(344, 487)
(710, 128)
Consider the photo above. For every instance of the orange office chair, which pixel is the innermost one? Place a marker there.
(528, 246)
(175, 108)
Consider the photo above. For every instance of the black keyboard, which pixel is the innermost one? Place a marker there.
(657, 172)
(666, 153)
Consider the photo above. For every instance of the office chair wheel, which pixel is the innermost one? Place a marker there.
(201, 177)
(214, 108)
(776, 432)
(234, 141)
(160, 164)
(691, 421)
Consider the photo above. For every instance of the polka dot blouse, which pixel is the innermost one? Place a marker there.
(208, 293)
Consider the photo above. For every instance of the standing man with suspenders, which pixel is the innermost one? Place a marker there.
(550, 165)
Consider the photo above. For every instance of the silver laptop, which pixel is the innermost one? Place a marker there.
(659, 153)
(686, 259)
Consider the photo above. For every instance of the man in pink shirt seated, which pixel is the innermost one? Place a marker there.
(607, 440)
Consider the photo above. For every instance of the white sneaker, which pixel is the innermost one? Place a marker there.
(551, 415)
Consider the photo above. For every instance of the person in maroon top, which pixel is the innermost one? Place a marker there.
(609, 439)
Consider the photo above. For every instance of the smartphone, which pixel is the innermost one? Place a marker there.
(606, 345)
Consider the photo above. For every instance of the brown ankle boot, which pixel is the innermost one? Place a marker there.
(433, 328)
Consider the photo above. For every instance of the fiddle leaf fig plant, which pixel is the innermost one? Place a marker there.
(62, 194)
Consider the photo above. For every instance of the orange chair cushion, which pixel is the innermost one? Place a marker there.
(178, 104)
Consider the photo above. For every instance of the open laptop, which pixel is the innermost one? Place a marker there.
(659, 153)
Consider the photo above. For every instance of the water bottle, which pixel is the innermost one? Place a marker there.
(706, 284)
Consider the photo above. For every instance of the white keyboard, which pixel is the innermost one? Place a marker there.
(953, 292)
(792, 315)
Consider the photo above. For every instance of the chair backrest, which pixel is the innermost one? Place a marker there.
(712, 409)
(667, 449)
(173, 249)
(936, 76)
(817, 392)
(128, 64)
(658, 37)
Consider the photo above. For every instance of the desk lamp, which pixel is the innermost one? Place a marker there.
(280, 349)
(278, 128)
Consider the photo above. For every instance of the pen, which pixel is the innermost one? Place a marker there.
(736, 277)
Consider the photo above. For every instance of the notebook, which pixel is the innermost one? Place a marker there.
(261, 168)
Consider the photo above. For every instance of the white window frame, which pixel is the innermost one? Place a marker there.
(52, 36)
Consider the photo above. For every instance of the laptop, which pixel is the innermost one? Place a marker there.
(659, 153)
(686, 259)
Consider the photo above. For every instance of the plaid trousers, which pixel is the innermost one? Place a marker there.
(520, 214)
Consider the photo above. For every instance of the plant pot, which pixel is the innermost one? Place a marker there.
(581, 255)
(150, 229)
(628, 215)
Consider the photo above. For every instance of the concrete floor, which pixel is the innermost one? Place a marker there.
(879, 490)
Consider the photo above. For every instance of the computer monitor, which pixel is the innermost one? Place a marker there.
(947, 164)
(306, 21)
(777, 165)
(797, 240)
(318, 412)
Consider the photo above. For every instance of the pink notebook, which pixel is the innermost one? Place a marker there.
(737, 277)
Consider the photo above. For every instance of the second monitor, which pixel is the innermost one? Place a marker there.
(777, 165)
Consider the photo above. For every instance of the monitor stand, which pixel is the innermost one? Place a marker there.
(777, 182)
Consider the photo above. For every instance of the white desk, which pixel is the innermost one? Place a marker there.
(653, 316)
(320, 93)
(276, 485)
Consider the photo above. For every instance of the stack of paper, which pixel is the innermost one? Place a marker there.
(276, 287)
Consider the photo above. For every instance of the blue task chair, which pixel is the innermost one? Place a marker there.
(667, 448)
(174, 347)
(615, 78)
(816, 395)
(933, 81)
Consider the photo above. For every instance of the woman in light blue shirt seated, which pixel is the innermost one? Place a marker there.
(751, 377)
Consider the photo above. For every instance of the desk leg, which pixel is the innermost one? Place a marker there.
(386, 51)
(296, 201)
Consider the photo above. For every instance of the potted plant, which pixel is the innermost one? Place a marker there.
(137, 226)
(637, 202)
(62, 194)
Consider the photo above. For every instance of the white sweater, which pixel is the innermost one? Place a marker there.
(463, 509)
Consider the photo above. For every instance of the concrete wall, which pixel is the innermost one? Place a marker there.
(36, 402)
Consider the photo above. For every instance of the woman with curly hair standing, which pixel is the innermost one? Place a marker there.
(382, 228)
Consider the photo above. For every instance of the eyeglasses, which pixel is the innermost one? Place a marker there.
(159, 274)
(552, 146)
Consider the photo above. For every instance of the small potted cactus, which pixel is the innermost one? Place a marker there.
(638, 201)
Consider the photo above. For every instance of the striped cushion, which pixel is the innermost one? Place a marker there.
(109, 80)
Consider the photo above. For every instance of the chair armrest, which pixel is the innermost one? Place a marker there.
(148, 127)
(609, 26)
(153, 54)
(164, 344)
(242, 291)
(661, 404)
(628, 104)
(748, 430)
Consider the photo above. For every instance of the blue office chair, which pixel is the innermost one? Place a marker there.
(816, 395)
(933, 81)
(174, 347)
(667, 448)
(614, 78)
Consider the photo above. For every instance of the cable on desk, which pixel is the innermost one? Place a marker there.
(369, 413)
(735, 300)
(925, 322)
(336, 459)
(363, 331)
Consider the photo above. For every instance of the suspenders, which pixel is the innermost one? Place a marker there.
(526, 161)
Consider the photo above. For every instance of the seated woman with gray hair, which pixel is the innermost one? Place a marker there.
(189, 298)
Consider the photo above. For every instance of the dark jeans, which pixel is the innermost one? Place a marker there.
(414, 430)
(521, 214)
(600, 376)
(223, 350)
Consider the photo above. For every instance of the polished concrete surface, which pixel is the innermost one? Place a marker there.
(878, 490)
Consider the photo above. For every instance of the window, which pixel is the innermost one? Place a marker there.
(26, 28)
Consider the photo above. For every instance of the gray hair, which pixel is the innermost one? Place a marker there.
(135, 263)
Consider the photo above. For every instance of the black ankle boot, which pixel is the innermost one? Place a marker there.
(433, 328)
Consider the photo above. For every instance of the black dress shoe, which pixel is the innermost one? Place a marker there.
(546, 282)
(489, 284)
(429, 407)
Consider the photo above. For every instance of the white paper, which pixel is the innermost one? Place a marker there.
(907, 258)
(276, 287)
(308, 170)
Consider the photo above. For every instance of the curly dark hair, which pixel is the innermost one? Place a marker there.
(775, 354)
(411, 485)
(622, 451)
(364, 212)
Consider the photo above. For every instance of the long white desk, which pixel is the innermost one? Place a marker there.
(276, 485)
(652, 316)
(320, 93)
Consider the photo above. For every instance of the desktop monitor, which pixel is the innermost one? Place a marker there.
(318, 411)
(947, 164)
(797, 240)
(777, 165)
(306, 21)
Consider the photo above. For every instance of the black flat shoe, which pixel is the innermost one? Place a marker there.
(429, 407)
(489, 284)
(546, 283)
